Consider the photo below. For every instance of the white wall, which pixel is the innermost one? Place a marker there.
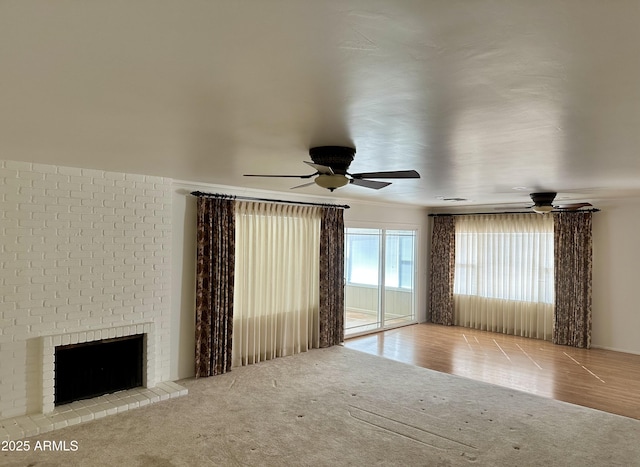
(183, 264)
(81, 250)
(183, 256)
(616, 288)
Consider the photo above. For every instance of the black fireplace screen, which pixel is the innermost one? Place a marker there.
(91, 369)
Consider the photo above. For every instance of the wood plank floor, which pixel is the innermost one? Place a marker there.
(596, 378)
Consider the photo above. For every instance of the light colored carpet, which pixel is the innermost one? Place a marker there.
(337, 406)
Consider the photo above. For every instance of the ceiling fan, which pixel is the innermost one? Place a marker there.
(331, 164)
(543, 203)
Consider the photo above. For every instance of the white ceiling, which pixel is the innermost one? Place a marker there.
(478, 96)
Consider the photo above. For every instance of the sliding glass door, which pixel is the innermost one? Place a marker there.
(399, 269)
(362, 288)
(379, 279)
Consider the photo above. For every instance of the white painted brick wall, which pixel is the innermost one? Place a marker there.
(81, 250)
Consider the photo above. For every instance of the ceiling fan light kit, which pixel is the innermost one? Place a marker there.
(331, 182)
(543, 209)
(331, 164)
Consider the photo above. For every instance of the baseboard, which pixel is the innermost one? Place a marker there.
(613, 349)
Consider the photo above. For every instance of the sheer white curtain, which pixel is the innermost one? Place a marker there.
(276, 297)
(504, 274)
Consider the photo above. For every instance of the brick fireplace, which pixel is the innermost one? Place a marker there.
(50, 343)
(86, 256)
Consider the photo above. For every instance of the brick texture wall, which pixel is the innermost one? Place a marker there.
(81, 250)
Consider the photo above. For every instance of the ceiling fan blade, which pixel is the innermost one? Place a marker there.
(572, 206)
(302, 186)
(369, 183)
(512, 207)
(390, 174)
(322, 169)
(280, 176)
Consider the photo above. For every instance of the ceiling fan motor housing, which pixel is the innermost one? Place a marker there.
(339, 158)
(543, 199)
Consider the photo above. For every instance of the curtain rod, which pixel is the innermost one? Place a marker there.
(249, 198)
(507, 212)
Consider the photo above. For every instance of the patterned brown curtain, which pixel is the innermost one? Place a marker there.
(572, 260)
(443, 260)
(331, 277)
(214, 285)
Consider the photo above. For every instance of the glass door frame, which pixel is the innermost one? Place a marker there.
(381, 324)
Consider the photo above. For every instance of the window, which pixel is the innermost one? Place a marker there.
(275, 304)
(504, 274)
(362, 258)
(374, 257)
(511, 262)
(399, 263)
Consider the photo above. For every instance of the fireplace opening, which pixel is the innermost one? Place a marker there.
(92, 369)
